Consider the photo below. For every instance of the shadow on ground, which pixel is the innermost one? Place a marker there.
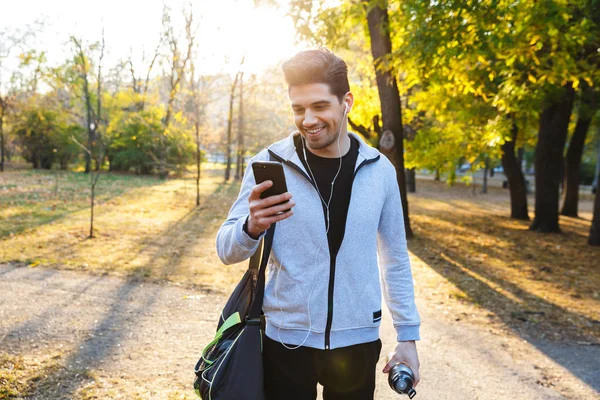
(467, 276)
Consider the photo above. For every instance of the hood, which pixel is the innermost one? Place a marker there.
(285, 149)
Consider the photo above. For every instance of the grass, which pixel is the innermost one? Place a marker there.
(144, 227)
(541, 284)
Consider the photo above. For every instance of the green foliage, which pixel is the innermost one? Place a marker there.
(465, 68)
(134, 136)
(45, 134)
(132, 145)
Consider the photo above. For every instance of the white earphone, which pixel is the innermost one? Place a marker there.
(326, 204)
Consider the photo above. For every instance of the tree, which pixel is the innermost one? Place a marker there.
(392, 139)
(587, 105)
(175, 77)
(239, 166)
(594, 238)
(554, 123)
(229, 144)
(44, 131)
(96, 148)
(136, 81)
(199, 92)
(499, 52)
(514, 174)
(197, 113)
(10, 40)
(97, 156)
(83, 67)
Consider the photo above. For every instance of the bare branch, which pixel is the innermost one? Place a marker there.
(360, 129)
(133, 78)
(77, 142)
(156, 54)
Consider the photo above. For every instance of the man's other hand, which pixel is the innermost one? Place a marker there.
(405, 353)
(264, 212)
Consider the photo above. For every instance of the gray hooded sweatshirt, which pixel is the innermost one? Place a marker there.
(314, 301)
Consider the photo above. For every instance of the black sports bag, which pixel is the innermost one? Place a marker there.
(231, 367)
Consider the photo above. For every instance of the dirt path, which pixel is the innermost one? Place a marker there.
(71, 335)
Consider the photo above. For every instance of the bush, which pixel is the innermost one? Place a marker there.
(45, 136)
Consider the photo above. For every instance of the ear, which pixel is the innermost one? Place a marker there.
(348, 102)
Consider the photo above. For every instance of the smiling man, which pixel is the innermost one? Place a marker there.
(326, 282)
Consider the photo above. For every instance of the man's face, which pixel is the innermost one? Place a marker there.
(318, 116)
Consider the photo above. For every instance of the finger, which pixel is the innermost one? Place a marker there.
(417, 377)
(278, 217)
(268, 212)
(258, 189)
(387, 367)
(390, 362)
(271, 200)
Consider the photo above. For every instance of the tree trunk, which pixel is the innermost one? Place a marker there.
(594, 238)
(97, 138)
(484, 186)
(88, 103)
(93, 189)
(549, 159)
(411, 180)
(596, 183)
(197, 115)
(2, 144)
(515, 178)
(520, 156)
(574, 153)
(198, 160)
(389, 97)
(88, 106)
(239, 173)
(229, 126)
(178, 65)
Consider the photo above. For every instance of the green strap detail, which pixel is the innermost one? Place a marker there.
(233, 320)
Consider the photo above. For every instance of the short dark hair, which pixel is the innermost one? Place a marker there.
(318, 66)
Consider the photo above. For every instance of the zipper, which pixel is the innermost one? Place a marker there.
(333, 257)
(333, 263)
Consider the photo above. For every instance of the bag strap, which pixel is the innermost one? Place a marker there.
(259, 293)
(255, 259)
(263, 256)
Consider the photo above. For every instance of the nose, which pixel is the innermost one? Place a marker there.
(309, 118)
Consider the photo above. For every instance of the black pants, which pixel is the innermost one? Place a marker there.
(347, 373)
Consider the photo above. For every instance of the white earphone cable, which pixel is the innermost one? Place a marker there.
(326, 204)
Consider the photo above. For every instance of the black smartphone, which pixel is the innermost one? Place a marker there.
(270, 171)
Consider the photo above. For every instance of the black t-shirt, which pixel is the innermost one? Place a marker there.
(324, 170)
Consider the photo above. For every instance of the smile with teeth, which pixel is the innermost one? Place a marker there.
(314, 131)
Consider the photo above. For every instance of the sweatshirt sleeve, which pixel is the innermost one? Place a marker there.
(233, 244)
(396, 275)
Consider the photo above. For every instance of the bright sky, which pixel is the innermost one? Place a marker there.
(228, 29)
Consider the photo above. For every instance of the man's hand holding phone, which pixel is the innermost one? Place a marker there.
(267, 211)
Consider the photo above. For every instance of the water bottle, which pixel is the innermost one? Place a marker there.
(402, 379)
